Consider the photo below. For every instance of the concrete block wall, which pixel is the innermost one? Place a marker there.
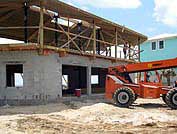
(85, 61)
(42, 75)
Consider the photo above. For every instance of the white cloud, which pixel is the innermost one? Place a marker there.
(165, 12)
(107, 3)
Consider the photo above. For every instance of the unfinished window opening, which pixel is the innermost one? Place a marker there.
(14, 75)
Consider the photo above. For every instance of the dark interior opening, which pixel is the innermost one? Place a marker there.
(74, 77)
(14, 75)
(98, 80)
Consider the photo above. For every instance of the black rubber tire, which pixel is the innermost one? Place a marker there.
(170, 98)
(164, 98)
(129, 92)
(136, 97)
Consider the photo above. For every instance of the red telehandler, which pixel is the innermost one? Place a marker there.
(121, 88)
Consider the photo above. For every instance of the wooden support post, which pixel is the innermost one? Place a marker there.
(41, 27)
(116, 45)
(98, 45)
(68, 34)
(139, 50)
(129, 51)
(56, 27)
(139, 53)
(25, 22)
(94, 41)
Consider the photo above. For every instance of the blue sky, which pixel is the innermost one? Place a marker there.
(150, 17)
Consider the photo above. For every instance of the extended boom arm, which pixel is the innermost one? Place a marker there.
(144, 66)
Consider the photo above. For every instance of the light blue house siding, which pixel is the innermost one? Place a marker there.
(169, 51)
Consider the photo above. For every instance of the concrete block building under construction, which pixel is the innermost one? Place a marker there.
(63, 48)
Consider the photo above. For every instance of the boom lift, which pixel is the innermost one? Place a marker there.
(121, 88)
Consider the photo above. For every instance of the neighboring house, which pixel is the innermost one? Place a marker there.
(160, 48)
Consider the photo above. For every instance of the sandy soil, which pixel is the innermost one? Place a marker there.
(145, 116)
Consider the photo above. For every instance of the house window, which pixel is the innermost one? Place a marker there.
(161, 44)
(153, 45)
(94, 79)
(14, 75)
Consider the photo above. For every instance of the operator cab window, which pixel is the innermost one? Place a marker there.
(153, 45)
(151, 77)
(14, 75)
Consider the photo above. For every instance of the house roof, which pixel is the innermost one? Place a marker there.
(12, 14)
(162, 36)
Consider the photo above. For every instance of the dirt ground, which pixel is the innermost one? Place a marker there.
(89, 117)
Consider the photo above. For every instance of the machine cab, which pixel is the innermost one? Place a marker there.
(150, 77)
(150, 83)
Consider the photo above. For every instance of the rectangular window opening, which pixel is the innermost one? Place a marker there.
(94, 79)
(14, 75)
(161, 44)
(153, 45)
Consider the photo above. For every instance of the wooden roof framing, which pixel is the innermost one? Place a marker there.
(12, 15)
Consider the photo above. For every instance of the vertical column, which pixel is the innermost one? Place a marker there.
(41, 27)
(89, 85)
(94, 41)
(25, 22)
(110, 52)
(68, 33)
(60, 75)
(129, 51)
(56, 27)
(116, 45)
(98, 48)
(2, 76)
(139, 53)
(139, 50)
